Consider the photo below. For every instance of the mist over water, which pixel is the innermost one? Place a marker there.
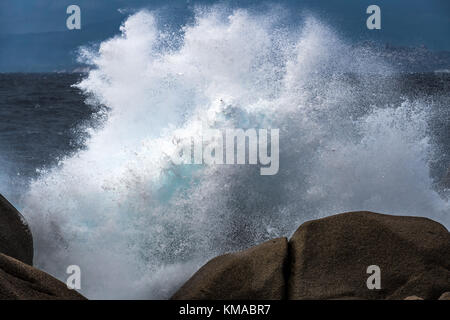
(138, 226)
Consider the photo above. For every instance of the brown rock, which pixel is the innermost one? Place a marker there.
(429, 284)
(330, 256)
(256, 273)
(445, 296)
(19, 281)
(413, 298)
(15, 236)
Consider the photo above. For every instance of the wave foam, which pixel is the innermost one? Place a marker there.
(139, 226)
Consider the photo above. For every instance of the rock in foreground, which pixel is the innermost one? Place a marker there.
(328, 259)
(445, 296)
(15, 236)
(256, 273)
(21, 281)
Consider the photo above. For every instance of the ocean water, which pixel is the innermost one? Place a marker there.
(86, 157)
